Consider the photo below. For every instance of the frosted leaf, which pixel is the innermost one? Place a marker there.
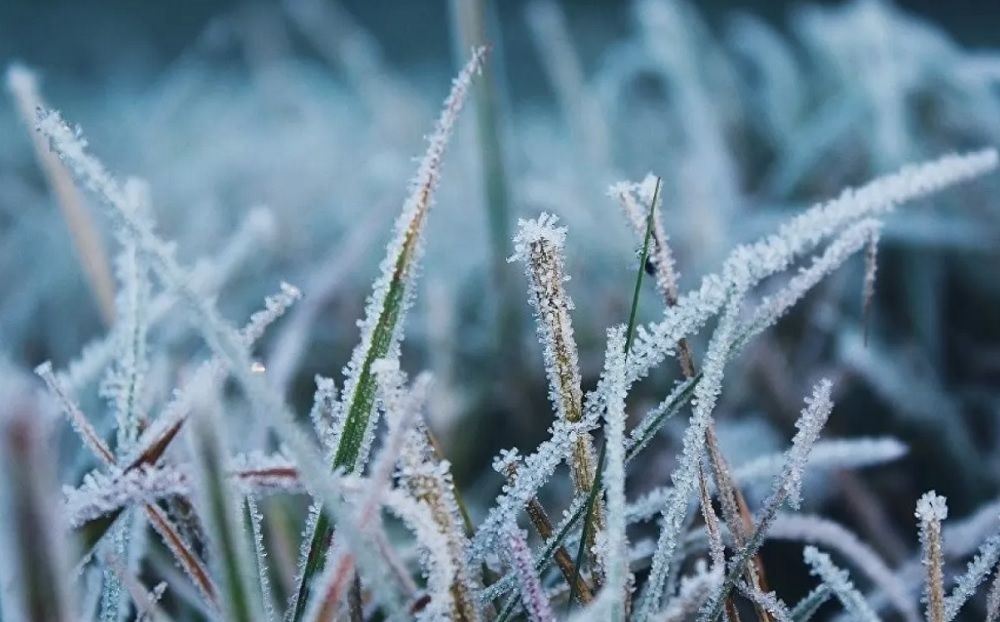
(326, 413)
(976, 572)
(256, 525)
(749, 264)
(536, 602)
(836, 454)
(539, 244)
(392, 292)
(810, 423)
(818, 530)
(931, 510)
(76, 417)
(616, 553)
(436, 558)
(840, 584)
(684, 476)
(123, 384)
(768, 601)
(814, 415)
(848, 453)
(274, 307)
(636, 200)
(868, 287)
(993, 599)
(694, 591)
(206, 277)
(100, 493)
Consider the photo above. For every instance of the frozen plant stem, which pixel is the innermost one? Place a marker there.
(382, 328)
(932, 509)
(588, 516)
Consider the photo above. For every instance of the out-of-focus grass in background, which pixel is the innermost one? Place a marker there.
(748, 113)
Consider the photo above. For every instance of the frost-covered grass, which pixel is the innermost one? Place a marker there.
(197, 486)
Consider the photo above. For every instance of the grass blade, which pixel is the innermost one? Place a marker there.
(382, 330)
(629, 334)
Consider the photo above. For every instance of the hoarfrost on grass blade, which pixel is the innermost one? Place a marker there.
(539, 245)
(813, 417)
(616, 563)
(817, 530)
(536, 602)
(684, 475)
(382, 328)
(840, 584)
(749, 264)
(931, 511)
(224, 340)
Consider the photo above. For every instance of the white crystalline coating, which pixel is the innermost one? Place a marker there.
(76, 417)
(436, 559)
(206, 277)
(275, 306)
(616, 553)
(100, 493)
(506, 460)
(931, 510)
(695, 590)
(749, 264)
(326, 413)
(226, 343)
(810, 423)
(931, 507)
(840, 584)
(834, 454)
(518, 555)
(256, 525)
(534, 231)
(684, 476)
(124, 381)
(746, 266)
(636, 199)
(768, 601)
(817, 530)
(403, 252)
(539, 245)
(975, 573)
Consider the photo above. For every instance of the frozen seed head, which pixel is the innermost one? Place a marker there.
(537, 231)
(932, 507)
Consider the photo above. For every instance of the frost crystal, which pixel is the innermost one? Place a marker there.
(840, 584)
(536, 602)
(814, 416)
(539, 245)
(931, 510)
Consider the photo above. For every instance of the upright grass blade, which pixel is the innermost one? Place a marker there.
(629, 334)
(470, 19)
(219, 512)
(382, 328)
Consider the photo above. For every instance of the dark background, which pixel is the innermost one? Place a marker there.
(95, 40)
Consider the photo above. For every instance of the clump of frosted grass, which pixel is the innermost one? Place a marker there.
(214, 507)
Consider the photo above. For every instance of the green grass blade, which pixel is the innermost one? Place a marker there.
(382, 328)
(630, 333)
(219, 512)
